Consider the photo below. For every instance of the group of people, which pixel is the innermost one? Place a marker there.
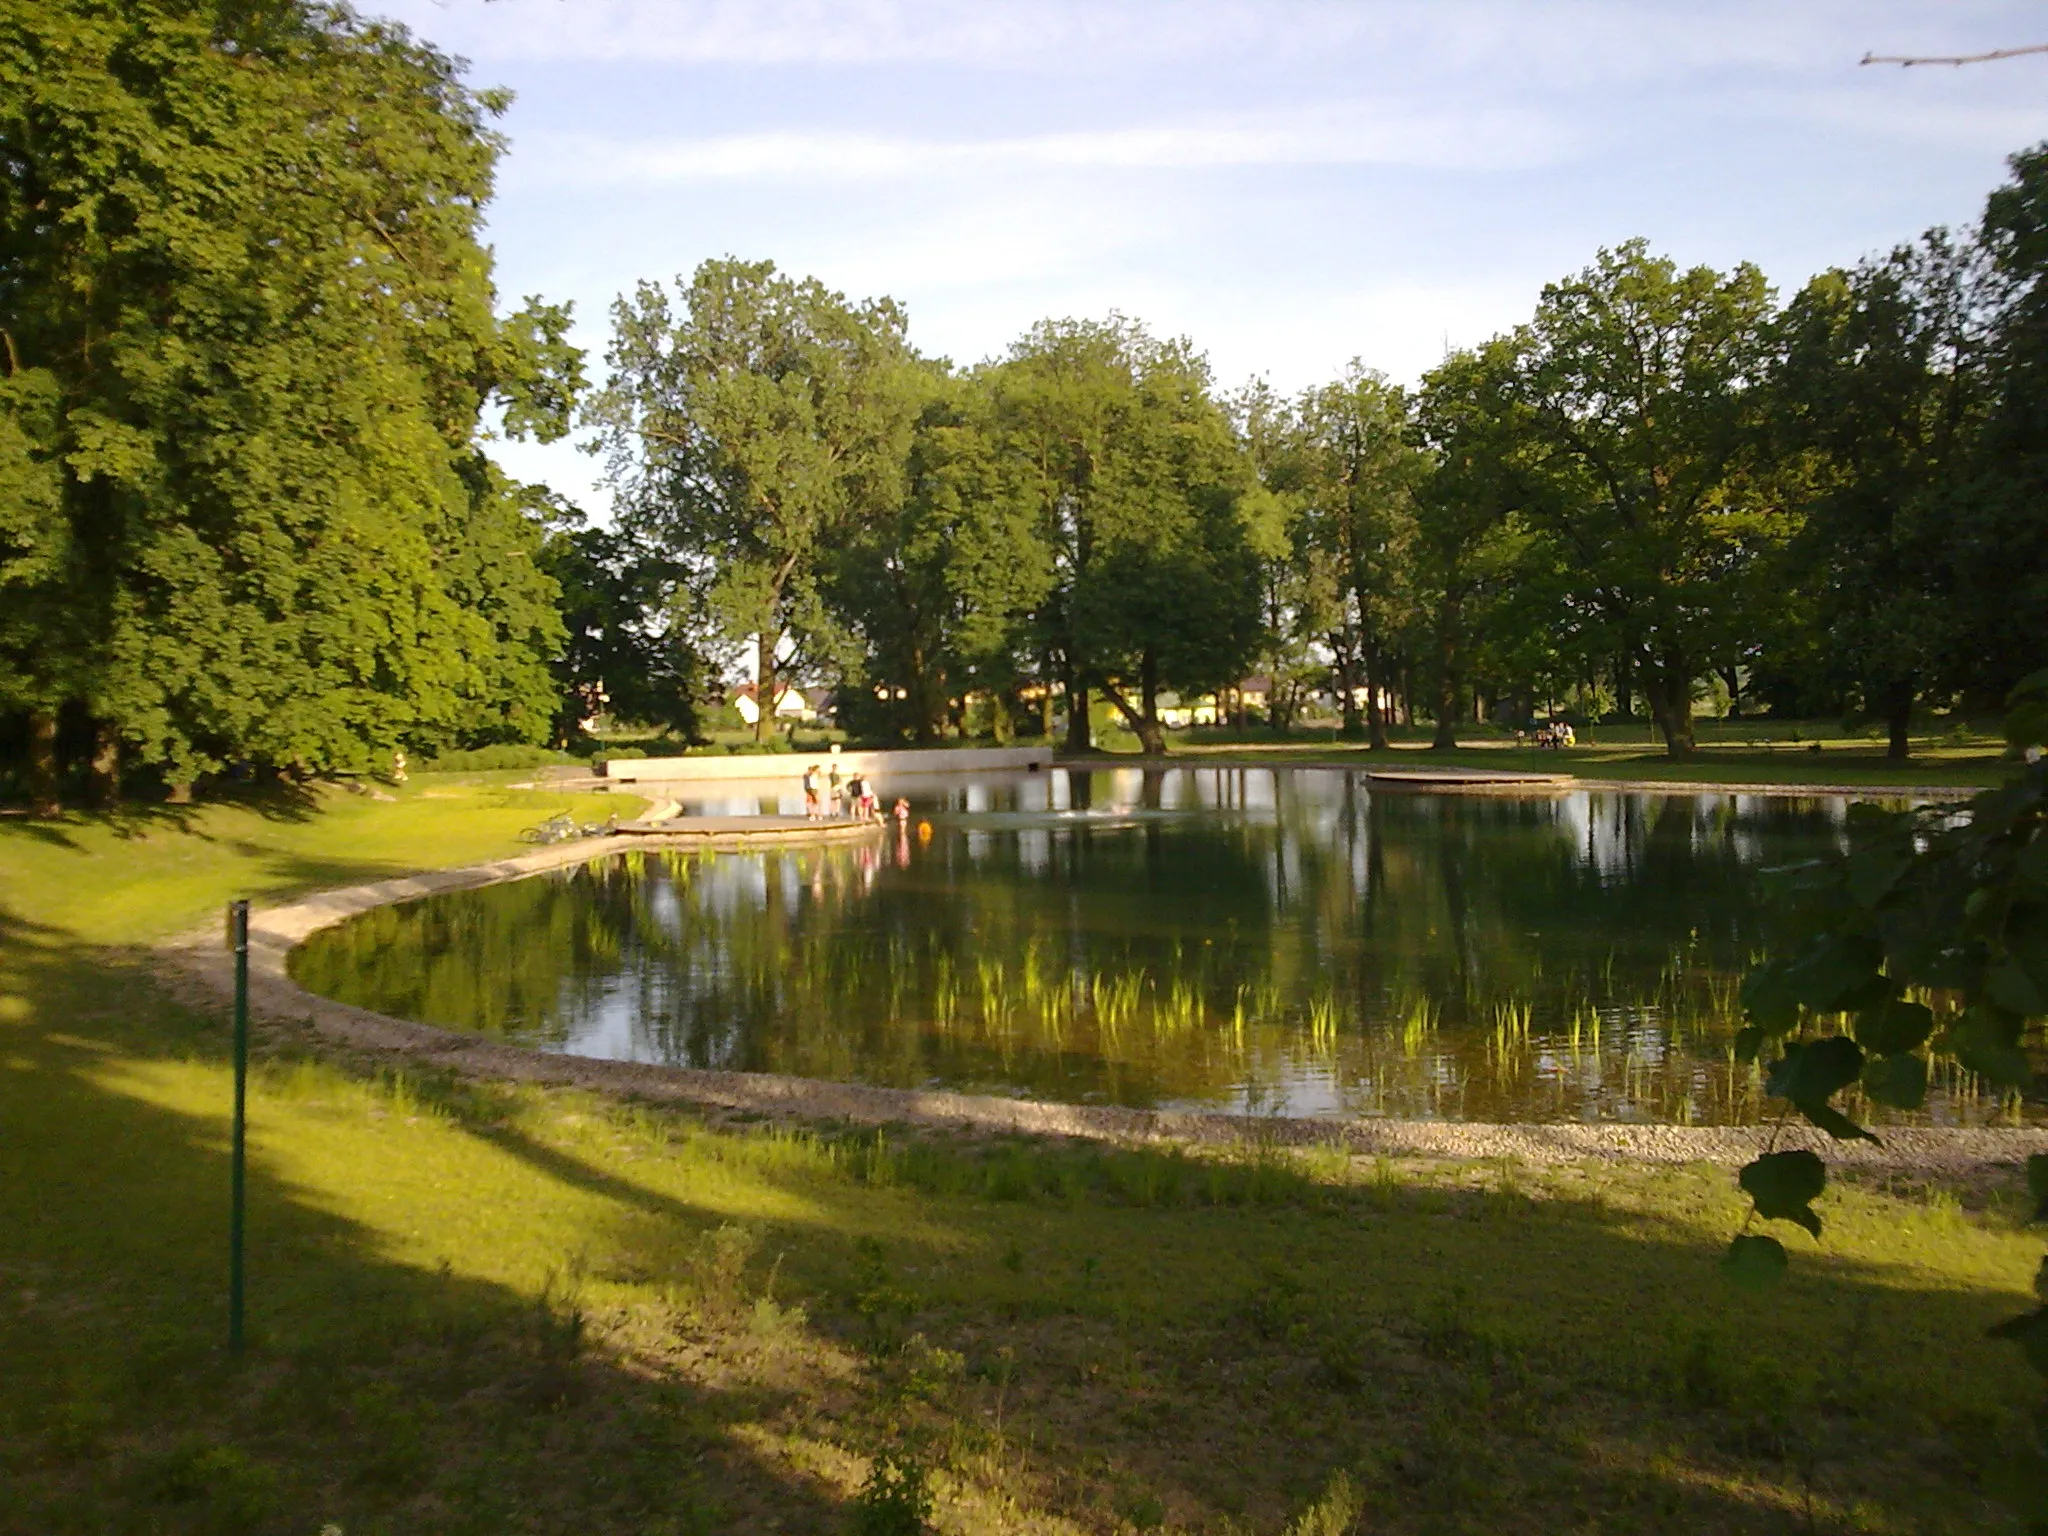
(829, 792)
(1557, 733)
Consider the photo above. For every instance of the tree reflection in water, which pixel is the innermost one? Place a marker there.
(1278, 940)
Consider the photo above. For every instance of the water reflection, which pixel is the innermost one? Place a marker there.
(1271, 940)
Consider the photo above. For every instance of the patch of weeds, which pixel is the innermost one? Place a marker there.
(1336, 1368)
(1275, 1305)
(1013, 1257)
(768, 1318)
(896, 1499)
(75, 1430)
(718, 1273)
(1335, 1513)
(239, 1493)
(560, 1332)
(395, 1431)
(1383, 1189)
(883, 1307)
(1448, 1329)
(1143, 1512)
(925, 1371)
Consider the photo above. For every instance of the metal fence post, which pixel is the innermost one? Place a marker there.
(238, 939)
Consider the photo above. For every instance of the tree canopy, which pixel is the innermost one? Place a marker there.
(248, 331)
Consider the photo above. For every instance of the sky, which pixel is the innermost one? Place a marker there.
(1290, 183)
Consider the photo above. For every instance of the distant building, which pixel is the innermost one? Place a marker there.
(790, 703)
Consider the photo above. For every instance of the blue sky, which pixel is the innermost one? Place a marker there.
(1291, 183)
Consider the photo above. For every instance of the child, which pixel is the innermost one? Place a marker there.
(811, 793)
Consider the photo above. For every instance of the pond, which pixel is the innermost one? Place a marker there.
(1275, 941)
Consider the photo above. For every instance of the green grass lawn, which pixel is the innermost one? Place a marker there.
(1730, 752)
(482, 1309)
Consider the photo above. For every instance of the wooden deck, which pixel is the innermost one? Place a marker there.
(766, 829)
(1440, 781)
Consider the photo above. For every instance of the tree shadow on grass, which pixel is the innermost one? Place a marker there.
(374, 1394)
(1104, 1335)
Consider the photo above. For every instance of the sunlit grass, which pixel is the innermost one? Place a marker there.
(488, 1307)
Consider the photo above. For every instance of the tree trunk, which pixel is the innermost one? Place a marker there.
(1446, 737)
(1347, 696)
(1153, 735)
(42, 763)
(1624, 698)
(106, 764)
(1671, 704)
(1375, 717)
(1079, 738)
(1144, 723)
(764, 685)
(1898, 719)
(1732, 676)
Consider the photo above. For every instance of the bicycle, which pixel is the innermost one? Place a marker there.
(556, 829)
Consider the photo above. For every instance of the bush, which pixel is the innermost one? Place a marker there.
(487, 759)
(895, 1500)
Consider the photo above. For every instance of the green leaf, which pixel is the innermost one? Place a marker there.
(1820, 1113)
(1986, 1041)
(1755, 1262)
(1897, 1081)
(1813, 1072)
(2037, 1184)
(2031, 863)
(1872, 872)
(1895, 1027)
(1838, 971)
(1784, 1185)
(2030, 1331)
(2009, 985)
(1768, 999)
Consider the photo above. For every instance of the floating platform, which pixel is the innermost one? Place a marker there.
(1467, 781)
(767, 829)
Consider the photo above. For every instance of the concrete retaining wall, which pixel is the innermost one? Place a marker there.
(790, 765)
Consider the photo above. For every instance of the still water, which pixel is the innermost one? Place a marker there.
(1281, 941)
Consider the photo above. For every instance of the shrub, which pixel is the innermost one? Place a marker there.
(489, 759)
(895, 1500)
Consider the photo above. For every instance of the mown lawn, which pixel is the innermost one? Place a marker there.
(484, 1309)
(1730, 752)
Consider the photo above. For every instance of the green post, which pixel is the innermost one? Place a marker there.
(238, 939)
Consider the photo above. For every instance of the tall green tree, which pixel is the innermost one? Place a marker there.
(2000, 517)
(1357, 483)
(627, 649)
(1878, 407)
(248, 330)
(942, 587)
(1635, 392)
(1138, 486)
(749, 428)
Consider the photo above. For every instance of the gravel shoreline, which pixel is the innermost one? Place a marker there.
(199, 961)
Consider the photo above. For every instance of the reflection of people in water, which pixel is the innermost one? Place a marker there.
(924, 831)
(903, 845)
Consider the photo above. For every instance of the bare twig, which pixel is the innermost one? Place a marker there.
(1907, 61)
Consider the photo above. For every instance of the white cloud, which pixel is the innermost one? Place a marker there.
(1477, 139)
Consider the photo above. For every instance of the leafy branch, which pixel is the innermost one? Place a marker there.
(1933, 910)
